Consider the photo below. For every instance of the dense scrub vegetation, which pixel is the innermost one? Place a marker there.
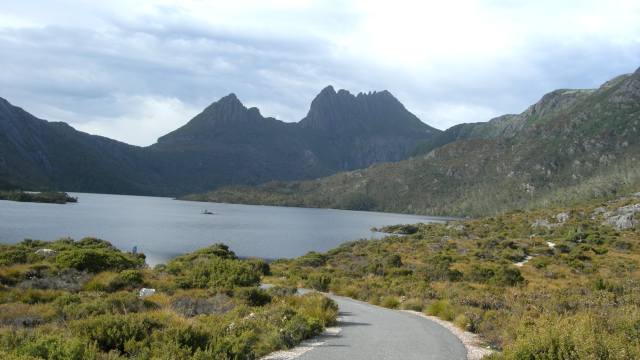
(542, 284)
(71, 299)
(53, 197)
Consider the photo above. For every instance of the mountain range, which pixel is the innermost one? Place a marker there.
(571, 145)
(226, 144)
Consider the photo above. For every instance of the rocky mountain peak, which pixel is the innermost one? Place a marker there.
(226, 113)
(341, 111)
(225, 105)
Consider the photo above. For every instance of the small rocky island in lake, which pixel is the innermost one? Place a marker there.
(53, 197)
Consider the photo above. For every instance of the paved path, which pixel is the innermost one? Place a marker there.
(370, 332)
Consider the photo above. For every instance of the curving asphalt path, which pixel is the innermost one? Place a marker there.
(370, 332)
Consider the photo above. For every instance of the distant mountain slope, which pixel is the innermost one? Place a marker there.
(570, 145)
(39, 154)
(225, 144)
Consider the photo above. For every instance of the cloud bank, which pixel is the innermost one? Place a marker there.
(134, 71)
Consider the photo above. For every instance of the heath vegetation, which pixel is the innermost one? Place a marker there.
(71, 299)
(542, 284)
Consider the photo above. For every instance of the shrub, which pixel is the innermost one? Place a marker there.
(316, 306)
(113, 332)
(481, 273)
(578, 337)
(502, 275)
(126, 279)
(117, 303)
(441, 309)
(252, 296)
(413, 304)
(46, 345)
(390, 302)
(393, 261)
(260, 266)
(312, 259)
(438, 268)
(10, 256)
(319, 282)
(508, 276)
(219, 273)
(96, 260)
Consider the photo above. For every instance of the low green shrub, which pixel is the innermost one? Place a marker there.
(442, 309)
(117, 332)
(319, 282)
(413, 304)
(252, 296)
(96, 260)
(390, 302)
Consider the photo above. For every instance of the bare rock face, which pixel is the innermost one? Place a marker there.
(623, 218)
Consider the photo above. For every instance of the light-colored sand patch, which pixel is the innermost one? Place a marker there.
(471, 341)
(304, 346)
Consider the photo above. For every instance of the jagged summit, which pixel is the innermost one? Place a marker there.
(226, 114)
(341, 111)
(226, 103)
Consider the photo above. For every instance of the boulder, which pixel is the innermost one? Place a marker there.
(47, 253)
(562, 217)
(623, 218)
(144, 292)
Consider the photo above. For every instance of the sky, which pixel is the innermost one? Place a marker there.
(135, 70)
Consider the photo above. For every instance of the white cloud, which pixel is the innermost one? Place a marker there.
(449, 114)
(115, 65)
(150, 118)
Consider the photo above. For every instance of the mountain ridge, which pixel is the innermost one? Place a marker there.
(226, 143)
(571, 144)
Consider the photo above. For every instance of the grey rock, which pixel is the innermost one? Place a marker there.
(144, 292)
(47, 253)
(623, 218)
(70, 280)
(542, 223)
(562, 217)
(189, 307)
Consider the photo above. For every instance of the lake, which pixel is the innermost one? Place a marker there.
(163, 228)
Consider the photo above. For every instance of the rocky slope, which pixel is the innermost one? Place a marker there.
(572, 144)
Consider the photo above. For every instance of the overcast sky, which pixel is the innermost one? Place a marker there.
(134, 70)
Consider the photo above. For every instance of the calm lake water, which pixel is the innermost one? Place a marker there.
(162, 227)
